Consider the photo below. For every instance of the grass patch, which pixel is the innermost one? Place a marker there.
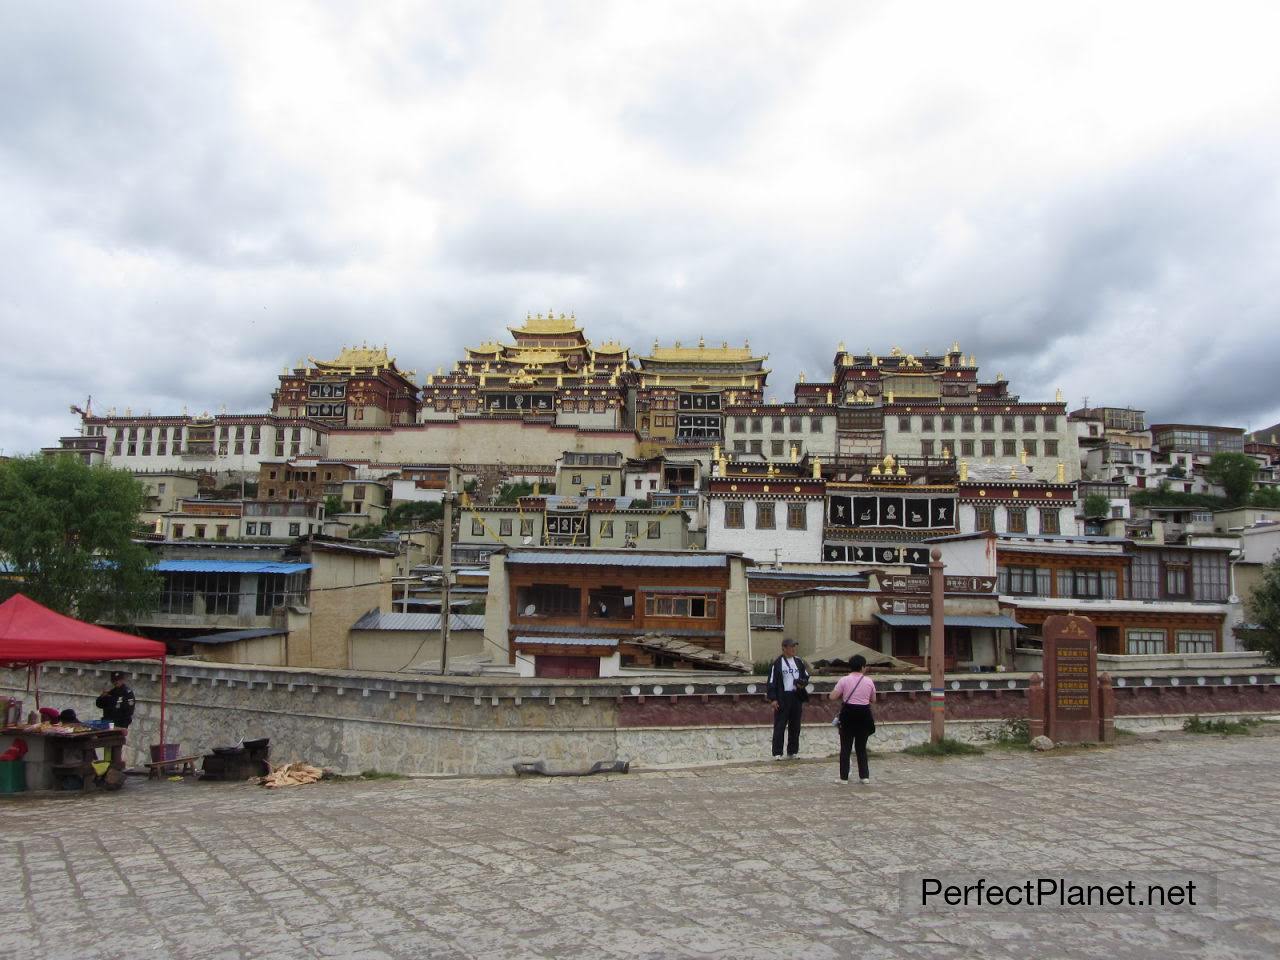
(1227, 727)
(945, 748)
(1014, 734)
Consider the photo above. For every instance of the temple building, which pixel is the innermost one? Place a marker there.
(552, 372)
(362, 387)
(682, 392)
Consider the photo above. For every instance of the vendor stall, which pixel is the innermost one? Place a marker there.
(58, 755)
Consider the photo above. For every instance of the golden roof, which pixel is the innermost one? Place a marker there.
(548, 324)
(359, 357)
(485, 348)
(722, 353)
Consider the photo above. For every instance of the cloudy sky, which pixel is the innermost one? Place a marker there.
(1085, 195)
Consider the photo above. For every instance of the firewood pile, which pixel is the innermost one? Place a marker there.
(291, 775)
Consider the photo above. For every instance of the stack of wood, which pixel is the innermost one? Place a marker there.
(291, 775)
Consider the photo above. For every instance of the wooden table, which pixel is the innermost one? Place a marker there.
(52, 756)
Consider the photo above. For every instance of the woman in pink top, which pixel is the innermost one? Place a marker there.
(856, 692)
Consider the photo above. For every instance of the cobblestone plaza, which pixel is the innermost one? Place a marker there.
(765, 860)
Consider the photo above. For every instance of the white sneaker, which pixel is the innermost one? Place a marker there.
(777, 756)
(844, 782)
(865, 780)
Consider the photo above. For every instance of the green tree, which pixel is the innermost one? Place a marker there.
(405, 516)
(1263, 610)
(1265, 497)
(1234, 473)
(511, 492)
(367, 531)
(66, 531)
(1096, 505)
(333, 505)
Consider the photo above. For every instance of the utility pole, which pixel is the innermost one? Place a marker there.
(446, 564)
(937, 649)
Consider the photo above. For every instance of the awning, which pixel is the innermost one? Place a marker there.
(231, 636)
(229, 566)
(915, 620)
(567, 641)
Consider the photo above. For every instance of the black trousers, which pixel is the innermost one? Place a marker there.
(787, 719)
(854, 731)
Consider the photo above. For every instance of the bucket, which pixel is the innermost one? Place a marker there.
(13, 776)
(164, 751)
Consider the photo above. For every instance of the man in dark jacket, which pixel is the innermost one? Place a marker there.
(117, 702)
(788, 678)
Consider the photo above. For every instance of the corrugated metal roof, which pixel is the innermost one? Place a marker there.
(617, 558)
(570, 641)
(916, 620)
(382, 620)
(230, 566)
(231, 636)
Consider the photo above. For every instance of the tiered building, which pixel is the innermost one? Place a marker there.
(682, 394)
(362, 387)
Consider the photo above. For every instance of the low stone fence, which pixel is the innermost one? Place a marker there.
(422, 725)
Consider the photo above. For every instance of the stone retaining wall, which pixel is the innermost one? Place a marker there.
(350, 722)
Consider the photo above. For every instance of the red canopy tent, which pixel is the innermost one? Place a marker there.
(32, 634)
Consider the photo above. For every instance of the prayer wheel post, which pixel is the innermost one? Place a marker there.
(937, 650)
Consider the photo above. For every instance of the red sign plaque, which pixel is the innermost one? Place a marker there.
(1071, 680)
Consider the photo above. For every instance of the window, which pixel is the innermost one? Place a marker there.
(606, 529)
(739, 446)
(776, 448)
(988, 448)
(926, 424)
(966, 448)
(734, 516)
(606, 480)
(504, 527)
(904, 424)
(797, 424)
(1017, 519)
(264, 529)
(985, 518)
(177, 531)
(250, 529)
(222, 531)
(740, 424)
(1009, 424)
(966, 424)
(655, 530)
(1195, 641)
(1050, 424)
(1049, 520)
(777, 425)
(926, 448)
(796, 516)
(548, 600)
(757, 446)
(1022, 581)
(526, 527)
(1176, 580)
(664, 605)
(988, 424)
(815, 424)
(633, 528)
(756, 425)
(477, 527)
(1209, 577)
(1009, 448)
(948, 424)
(1145, 642)
(199, 531)
(764, 516)
(1029, 424)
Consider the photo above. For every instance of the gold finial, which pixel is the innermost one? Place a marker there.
(964, 470)
(999, 377)
(828, 396)
(946, 361)
(746, 344)
(733, 397)
(902, 471)
(946, 453)
(1023, 456)
(817, 469)
(439, 371)
(715, 451)
(875, 471)
(795, 454)
(537, 487)
(801, 376)
(1062, 472)
(1058, 395)
(840, 347)
(702, 343)
(955, 346)
(890, 396)
(888, 463)
(875, 361)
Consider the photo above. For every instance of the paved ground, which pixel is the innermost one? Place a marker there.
(772, 860)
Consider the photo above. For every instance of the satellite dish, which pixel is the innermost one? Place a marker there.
(526, 541)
